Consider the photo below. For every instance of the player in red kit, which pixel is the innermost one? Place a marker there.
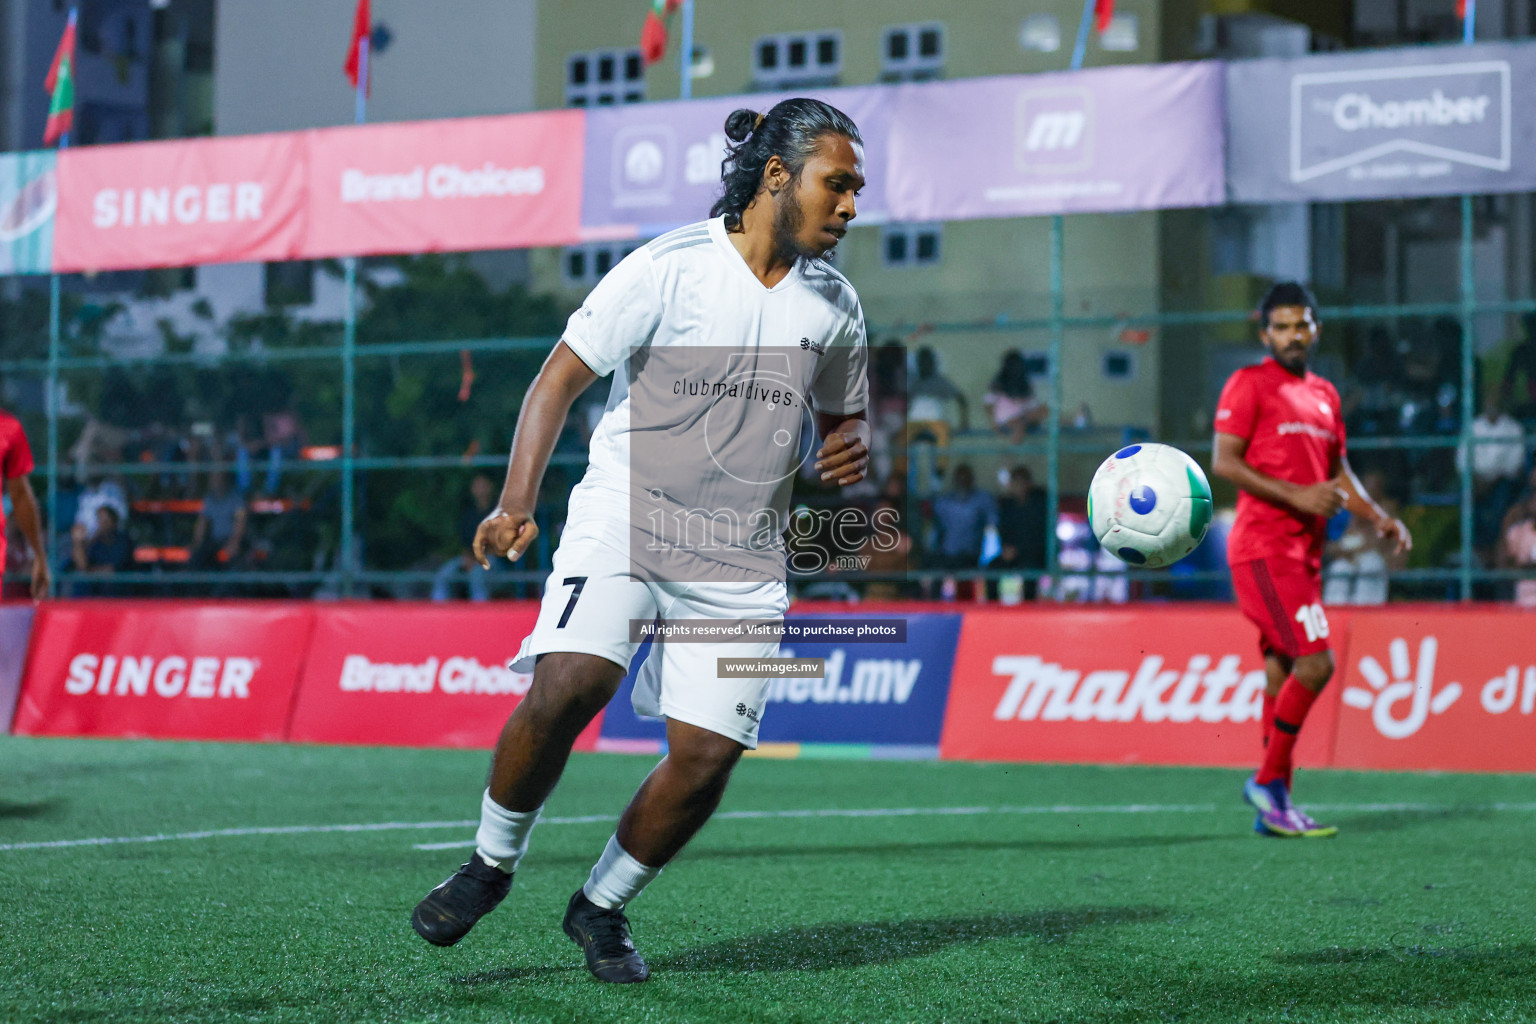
(15, 464)
(1280, 439)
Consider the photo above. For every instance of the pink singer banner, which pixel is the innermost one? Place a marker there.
(159, 204)
(506, 182)
(1131, 138)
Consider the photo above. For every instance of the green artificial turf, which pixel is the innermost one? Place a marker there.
(1416, 914)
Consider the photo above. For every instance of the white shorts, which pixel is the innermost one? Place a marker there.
(590, 598)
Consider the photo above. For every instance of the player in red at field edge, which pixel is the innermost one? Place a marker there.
(15, 464)
(1280, 439)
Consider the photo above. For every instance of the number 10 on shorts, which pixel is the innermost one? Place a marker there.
(1313, 621)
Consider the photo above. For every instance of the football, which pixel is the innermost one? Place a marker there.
(1149, 504)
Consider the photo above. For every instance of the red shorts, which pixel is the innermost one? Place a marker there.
(1285, 601)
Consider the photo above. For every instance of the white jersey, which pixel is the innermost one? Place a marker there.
(715, 380)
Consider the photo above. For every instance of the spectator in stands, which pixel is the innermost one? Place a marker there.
(930, 398)
(888, 373)
(482, 497)
(961, 516)
(1518, 549)
(888, 406)
(1021, 516)
(1521, 401)
(220, 529)
(104, 492)
(102, 551)
(1011, 399)
(888, 548)
(1498, 468)
(1359, 561)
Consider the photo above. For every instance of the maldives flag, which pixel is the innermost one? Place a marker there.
(1103, 14)
(362, 27)
(653, 34)
(60, 86)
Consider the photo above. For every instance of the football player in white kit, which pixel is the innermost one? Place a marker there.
(725, 338)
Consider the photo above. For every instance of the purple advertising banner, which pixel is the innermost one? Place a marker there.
(1110, 139)
(654, 166)
(15, 629)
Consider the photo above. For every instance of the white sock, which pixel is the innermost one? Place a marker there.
(502, 838)
(617, 877)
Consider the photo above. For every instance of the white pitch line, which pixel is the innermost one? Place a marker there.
(825, 812)
(276, 830)
(881, 812)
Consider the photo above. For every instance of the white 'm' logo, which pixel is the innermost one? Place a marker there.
(1057, 129)
(1404, 684)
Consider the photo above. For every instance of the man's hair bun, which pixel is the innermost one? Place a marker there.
(741, 124)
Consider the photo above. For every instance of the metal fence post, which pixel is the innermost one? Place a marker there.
(51, 408)
(1468, 407)
(1053, 419)
(348, 428)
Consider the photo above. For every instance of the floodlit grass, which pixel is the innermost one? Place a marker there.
(1422, 911)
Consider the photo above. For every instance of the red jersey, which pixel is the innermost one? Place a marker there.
(15, 460)
(1295, 432)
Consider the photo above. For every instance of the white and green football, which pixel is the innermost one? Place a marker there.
(1149, 505)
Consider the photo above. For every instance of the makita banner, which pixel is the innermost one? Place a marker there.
(29, 197)
(1127, 138)
(878, 694)
(1443, 688)
(159, 204)
(654, 166)
(414, 675)
(163, 669)
(1384, 124)
(1162, 685)
(15, 626)
(507, 182)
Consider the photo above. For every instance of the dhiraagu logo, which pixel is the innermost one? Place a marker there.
(1401, 701)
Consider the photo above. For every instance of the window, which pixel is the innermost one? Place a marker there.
(1119, 366)
(1123, 33)
(797, 59)
(911, 245)
(586, 264)
(1040, 33)
(603, 78)
(289, 284)
(912, 53)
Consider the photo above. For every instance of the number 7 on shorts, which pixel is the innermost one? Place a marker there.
(575, 583)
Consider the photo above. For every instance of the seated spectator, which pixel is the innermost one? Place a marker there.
(1358, 563)
(1521, 401)
(1021, 516)
(108, 493)
(1498, 468)
(1011, 399)
(961, 516)
(929, 400)
(220, 529)
(1518, 549)
(887, 406)
(888, 548)
(100, 552)
(482, 497)
(1089, 571)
